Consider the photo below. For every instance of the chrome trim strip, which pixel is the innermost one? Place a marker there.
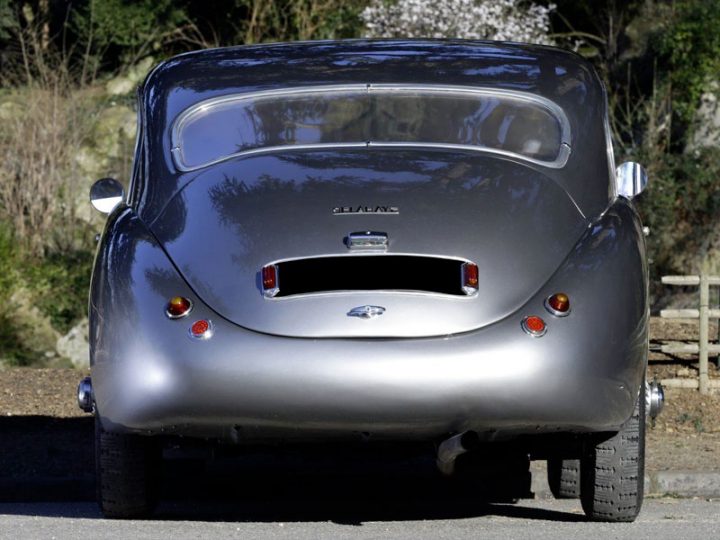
(187, 115)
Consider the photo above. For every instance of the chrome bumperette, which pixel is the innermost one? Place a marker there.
(85, 398)
(654, 398)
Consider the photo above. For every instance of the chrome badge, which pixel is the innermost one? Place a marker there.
(366, 312)
(355, 210)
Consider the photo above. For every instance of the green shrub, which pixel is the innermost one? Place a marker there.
(59, 283)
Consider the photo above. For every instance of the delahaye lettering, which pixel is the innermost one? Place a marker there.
(360, 209)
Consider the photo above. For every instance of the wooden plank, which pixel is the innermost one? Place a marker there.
(687, 313)
(680, 313)
(680, 348)
(685, 348)
(688, 383)
(688, 280)
(704, 333)
(681, 280)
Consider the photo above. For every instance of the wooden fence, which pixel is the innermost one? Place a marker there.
(704, 313)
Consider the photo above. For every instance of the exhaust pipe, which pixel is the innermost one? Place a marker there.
(85, 396)
(450, 449)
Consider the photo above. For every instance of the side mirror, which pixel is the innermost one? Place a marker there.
(106, 194)
(631, 179)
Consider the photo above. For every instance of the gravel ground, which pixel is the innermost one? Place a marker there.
(686, 435)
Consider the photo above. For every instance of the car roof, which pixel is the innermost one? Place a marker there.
(555, 74)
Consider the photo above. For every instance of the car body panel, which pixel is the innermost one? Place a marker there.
(241, 215)
(583, 375)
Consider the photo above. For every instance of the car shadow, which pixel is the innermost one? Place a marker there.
(48, 470)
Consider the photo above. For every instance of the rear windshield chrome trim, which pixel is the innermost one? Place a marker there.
(559, 162)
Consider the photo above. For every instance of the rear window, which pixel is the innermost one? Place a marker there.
(506, 122)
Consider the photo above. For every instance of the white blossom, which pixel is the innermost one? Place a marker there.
(504, 20)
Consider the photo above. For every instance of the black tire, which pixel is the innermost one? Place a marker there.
(127, 473)
(564, 478)
(613, 471)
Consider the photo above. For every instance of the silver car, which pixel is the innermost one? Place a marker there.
(382, 241)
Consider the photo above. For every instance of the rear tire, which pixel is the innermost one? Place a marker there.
(127, 473)
(613, 471)
(564, 478)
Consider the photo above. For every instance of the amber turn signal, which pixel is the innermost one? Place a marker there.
(534, 326)
(178, 307)
(558, 304)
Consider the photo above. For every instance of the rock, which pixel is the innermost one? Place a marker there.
(30, 325)
(127, 82)
(74, 345)
(707, 119)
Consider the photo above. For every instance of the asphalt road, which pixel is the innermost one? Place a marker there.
(537, 519)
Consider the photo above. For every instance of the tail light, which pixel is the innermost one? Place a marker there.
(558, 304)
(470, 278)
(202, 329)
(270, 280)
(178, 307)
(534, 326)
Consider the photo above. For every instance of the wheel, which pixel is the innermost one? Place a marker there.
(127, 473)
(564, 478)
(613, 471)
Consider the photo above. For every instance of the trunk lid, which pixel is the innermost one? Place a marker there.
(234, 218)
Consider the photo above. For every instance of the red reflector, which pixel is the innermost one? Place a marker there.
(470, 278)
(270, 280)
(178, 307)
(534, 326)
(558, 304)
(201, 329)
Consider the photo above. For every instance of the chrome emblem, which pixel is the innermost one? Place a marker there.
(354, 210)
(367, 240)
(366, 312)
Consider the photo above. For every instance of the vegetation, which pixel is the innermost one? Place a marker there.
(67, 70)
